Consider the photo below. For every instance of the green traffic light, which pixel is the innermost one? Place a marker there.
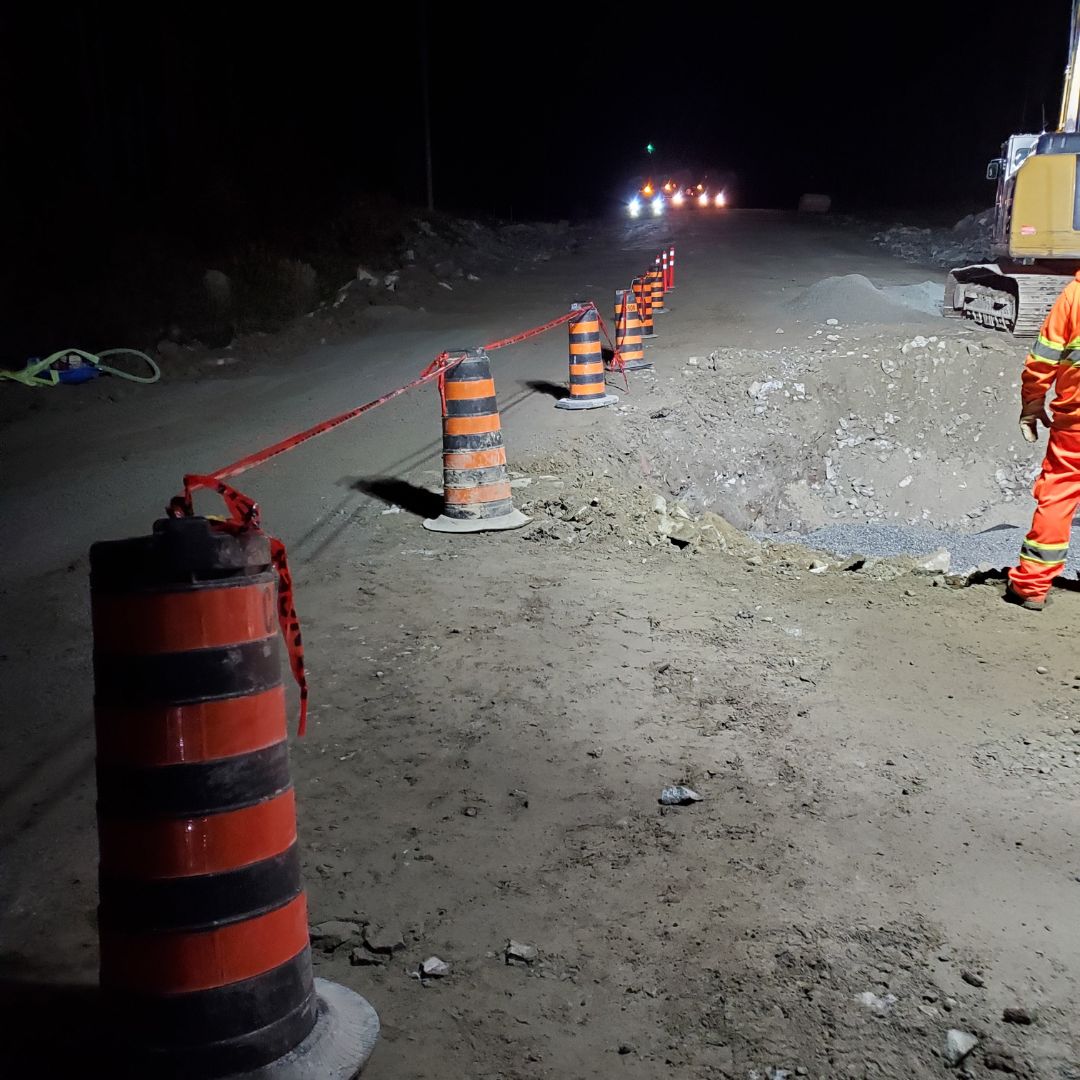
(650, 148)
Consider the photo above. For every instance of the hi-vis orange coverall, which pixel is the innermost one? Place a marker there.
(1054, 360)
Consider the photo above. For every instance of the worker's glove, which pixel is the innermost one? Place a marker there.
(1032, 414)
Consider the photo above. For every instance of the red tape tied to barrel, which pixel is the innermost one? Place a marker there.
(617, 362)
(244, 511)
(244, 517)
(616, 359)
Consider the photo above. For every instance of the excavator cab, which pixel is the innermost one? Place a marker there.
(1014, 152)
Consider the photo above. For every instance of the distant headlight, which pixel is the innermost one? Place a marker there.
(720, 200)
(634, 206)
(703, 199)
(677, 199)
(658, 205)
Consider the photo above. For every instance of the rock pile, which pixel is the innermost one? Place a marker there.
(968, 241)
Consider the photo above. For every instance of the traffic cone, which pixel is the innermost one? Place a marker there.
(671, 268)
(476, 489)
(587, 388)
(656, 275)
(664, 268)
(205, 956)
(628, 331)
(642, 287)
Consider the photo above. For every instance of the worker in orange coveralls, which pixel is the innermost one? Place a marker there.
(1054, 360)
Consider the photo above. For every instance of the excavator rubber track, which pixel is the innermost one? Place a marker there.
(1003, 297)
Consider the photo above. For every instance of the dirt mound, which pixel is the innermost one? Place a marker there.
(854, 298)
(851, 426)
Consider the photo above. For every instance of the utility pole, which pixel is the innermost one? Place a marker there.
(424, 80)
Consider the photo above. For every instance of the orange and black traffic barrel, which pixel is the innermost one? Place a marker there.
(205, 959)
(588, 389)
(628, 331)
(203, 917)
(642, 287)
(656, 276)
(476, 488)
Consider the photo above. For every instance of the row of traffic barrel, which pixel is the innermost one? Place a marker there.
(205, 959)
(476, 487)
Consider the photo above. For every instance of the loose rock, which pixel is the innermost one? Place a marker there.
(958, 1044)
(880, 1005)
(517, 951)
(433, 968)
(362, 957)
(679, 796)
(1018, 1015)
(381, 940)
(334, 933)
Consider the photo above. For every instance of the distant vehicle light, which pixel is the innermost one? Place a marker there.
(701, 187)
(677, 199)
(720, 200)
(634, 206)
(648, 189)
(658, 205)
(703, 199)
(669, 187)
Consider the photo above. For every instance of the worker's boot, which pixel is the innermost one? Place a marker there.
(1028, 602)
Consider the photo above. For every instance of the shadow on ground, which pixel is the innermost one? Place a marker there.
(51, 1030)
(393, 492)
(542, 386)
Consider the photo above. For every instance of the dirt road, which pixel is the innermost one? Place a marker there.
(886, 843)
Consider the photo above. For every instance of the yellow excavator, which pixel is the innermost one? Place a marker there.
(1036, 237)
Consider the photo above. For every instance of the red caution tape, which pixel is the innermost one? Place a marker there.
(617, 362)
(534, 332)
(244, 517)
(437, 365)
(244, 511)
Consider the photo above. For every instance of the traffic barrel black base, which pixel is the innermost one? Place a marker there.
(345, 1032)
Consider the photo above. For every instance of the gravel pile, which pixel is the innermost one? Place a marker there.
(991, 549)
(854, 298)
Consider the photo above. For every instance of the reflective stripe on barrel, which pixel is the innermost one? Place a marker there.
(202, 919)
(586, 355)
(475, 481)
(627, 326)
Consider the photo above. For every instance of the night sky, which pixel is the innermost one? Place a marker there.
(208, 108)
(198, 125)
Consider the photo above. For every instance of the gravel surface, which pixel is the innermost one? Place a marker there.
(996, 547)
